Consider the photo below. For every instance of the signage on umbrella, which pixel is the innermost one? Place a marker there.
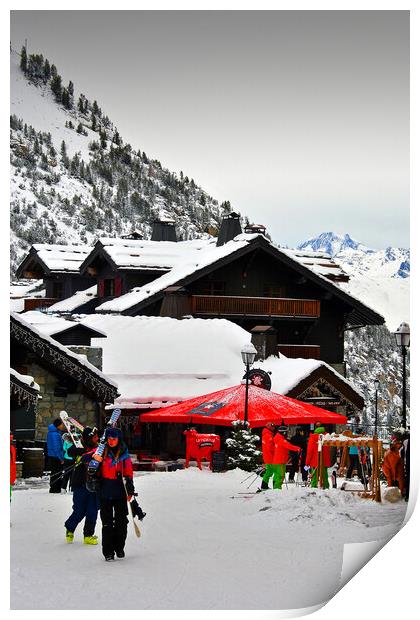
(206, 409)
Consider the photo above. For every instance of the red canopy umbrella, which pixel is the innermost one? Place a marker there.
(225, 406)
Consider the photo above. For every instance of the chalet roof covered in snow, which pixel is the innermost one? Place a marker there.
(56, 354)
(319, 262)
(53, 325)
(139, 254)
(24, 388)
(53, 259)
(200, 262)
(157, 361)
(78, 300)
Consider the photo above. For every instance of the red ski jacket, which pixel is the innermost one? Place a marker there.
(267, 446)
(312, 452)
(281, 449)
(110, 470)
(12, 462)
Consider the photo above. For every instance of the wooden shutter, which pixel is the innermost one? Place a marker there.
(101, 288)
(117, 286)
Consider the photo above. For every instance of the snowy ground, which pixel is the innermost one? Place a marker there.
(200, 548)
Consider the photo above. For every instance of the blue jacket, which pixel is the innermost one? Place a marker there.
(353, 450)
(54, 442)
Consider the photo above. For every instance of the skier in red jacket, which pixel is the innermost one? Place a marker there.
(281, 455)
(12, 465)
(267, 439)
(116, 487)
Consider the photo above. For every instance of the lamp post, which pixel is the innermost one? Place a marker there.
(248, 356)
(377, 384)
(402, 337)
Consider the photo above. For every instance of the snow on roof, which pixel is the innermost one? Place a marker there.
(81, 359)
(319, 262)
(164, 360)
(159, 255)
(206, 253)
(26, 379)
(75, 301)
(50, 325)
(62, 257)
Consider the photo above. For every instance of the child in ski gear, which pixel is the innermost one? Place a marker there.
(55, 454)
(312, 459)
(68, 462)
(115, 489)
(393, 467)
(85, 503)
(281, 456)
(267, 439)
(12, 465)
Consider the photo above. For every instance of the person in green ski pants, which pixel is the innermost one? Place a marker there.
(281, 455)
(312, 459)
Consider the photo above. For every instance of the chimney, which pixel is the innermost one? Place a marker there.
(264, 339)
(163, 230)
(229, 229)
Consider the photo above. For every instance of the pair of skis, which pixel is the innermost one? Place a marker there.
(73, 427)
(93, 467)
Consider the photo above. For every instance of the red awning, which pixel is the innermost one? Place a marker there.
(225, 406)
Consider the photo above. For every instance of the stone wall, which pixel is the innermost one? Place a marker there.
(92, 354)
(77, 404)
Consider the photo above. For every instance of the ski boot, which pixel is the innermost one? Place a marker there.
(69, 536)
(90, 540)
(109, 558)
(120, 554)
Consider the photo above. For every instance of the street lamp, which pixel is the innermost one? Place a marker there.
(377, 384)
(402, 337)
(248, 356)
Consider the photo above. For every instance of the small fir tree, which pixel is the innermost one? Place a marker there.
(241, 447)
(23, 59)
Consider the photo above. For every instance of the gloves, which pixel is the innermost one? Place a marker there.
(129, 485)
(307, 468)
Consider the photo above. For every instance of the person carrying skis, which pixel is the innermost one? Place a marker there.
(312, 459)
(68, 462)
(115, 489)
(281, 455)
(267, 439)
(55, 454)
(85, 503)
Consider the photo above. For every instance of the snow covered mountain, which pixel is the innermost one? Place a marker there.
(379, 278)
(73, 178)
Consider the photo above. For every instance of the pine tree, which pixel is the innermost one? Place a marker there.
(23, 59)
(241, 447)
(56, 86)
(47, 70)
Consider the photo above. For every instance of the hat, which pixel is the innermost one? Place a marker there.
(88, 432)
(282, 429)
(113, 432)
(58, 422)
(319, 430)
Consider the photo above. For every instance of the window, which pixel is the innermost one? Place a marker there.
(214, 288)
(274, 290)
(57, 290)
(109, 287)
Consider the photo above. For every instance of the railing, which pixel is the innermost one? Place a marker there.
(255, 306)
(38, 302)
(305, 351)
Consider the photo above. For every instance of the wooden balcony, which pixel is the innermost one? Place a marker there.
(32, 303)
(214, 305)
(305, 351)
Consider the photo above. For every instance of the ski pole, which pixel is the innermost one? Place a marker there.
(136, 527)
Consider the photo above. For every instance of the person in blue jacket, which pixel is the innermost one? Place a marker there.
(55, 454)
